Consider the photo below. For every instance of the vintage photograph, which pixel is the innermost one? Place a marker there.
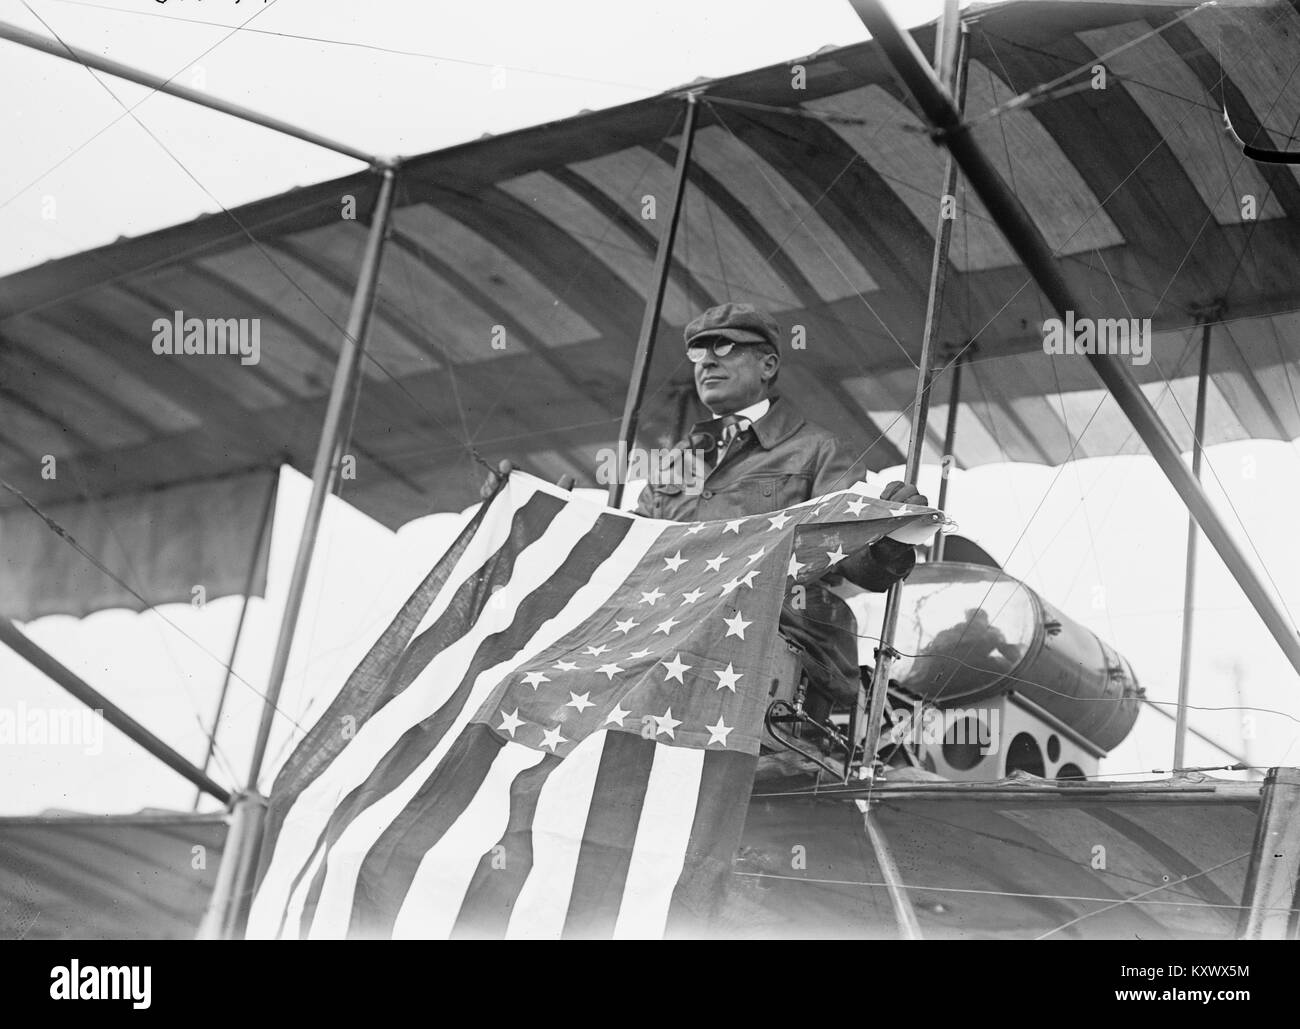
(688, 471)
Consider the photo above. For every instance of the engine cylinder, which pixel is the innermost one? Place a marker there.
(970, 632)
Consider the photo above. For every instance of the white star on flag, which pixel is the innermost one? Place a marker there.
(729, 585)
(728, 677)
(666, 626)
(734, 526)
(756, 555)
(855, 506)
(580, 701)
(748, 577)
(675, 562)
(651, 597)
(736, 626)
(675, 668)
(597, 651)
(610, 670)
(564, 666)
(510, 722)
(692, 597)
(718, 733)
(616, 716)
(696, 527)
(666, 723)
(793, 568)
(639, 653)
(535, 679)
(837, 555)
(552, 738)
(625, 626)
(714, 564)
(778, 521)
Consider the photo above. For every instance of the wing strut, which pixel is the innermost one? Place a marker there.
(654, 306)
(1029, 244)
(22, 645)
(1189, 568)
(950, 54)
(90, 59)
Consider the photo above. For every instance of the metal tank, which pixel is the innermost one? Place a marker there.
(969, 632)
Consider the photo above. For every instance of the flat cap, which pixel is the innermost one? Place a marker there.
(740, 323)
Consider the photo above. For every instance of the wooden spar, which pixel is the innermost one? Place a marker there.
(654, 306)
(234, 888)
(904, 913)
(949, 442)
(263, 526)
(1189, 568)
(1032, 249)
(950, 40)
(22, 645)
(327, 458)
(90, 59)
(1273, 876)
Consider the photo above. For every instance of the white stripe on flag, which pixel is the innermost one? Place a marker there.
(446, 870)
(493, 531)
(293, 917)
(662, 835)
(426, 694)
(440, 678)
(533, 569)
(558, 826)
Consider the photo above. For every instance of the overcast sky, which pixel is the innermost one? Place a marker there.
(1103, 539)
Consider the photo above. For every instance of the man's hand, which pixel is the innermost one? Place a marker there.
(565, 481)
(904, 493)
(490, 483)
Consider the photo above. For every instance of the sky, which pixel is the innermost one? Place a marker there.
(1102, 539)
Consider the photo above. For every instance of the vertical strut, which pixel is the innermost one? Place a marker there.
(955, 75)
(1189, 570)
(949, 443)
(645, 343)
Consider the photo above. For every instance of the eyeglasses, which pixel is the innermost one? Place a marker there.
(696, 352)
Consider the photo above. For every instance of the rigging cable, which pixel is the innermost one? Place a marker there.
(268, 4)
(63, 533)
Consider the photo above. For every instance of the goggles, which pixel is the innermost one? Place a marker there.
(720, 346)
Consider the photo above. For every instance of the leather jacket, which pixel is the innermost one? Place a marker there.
(783, 459)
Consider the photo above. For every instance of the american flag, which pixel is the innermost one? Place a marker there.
(557, 734)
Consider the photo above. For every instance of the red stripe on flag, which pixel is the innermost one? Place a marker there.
(501, 872)
(611, 831)
(391, 864)
(715, 835)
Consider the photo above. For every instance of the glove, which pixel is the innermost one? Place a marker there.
(904, 493)
(565, 481)
(490, 483)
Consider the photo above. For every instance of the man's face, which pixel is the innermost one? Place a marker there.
(728, 384)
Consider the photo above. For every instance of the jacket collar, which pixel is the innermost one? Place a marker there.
(780, 423)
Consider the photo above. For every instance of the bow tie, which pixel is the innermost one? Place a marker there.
(729, 428)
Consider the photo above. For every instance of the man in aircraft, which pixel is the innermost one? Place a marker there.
(760, 455)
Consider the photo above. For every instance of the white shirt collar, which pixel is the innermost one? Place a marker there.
(755, 411)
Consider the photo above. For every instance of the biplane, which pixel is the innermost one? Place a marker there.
(918, 205)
